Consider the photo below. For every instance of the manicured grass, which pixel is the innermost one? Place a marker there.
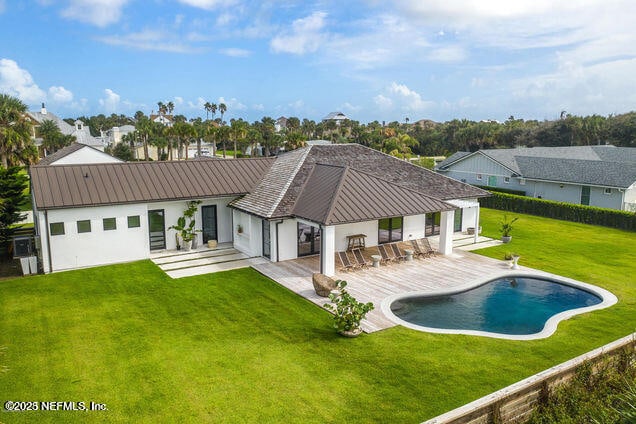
(237, 347)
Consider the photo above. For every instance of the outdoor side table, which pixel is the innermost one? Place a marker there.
(376, 260)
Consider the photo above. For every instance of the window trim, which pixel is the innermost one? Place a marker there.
(506, 180)
(114, 220)
(607, 190)
(52, 233)
(479, 177)
(83, 221)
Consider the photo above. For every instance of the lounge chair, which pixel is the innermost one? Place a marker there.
(426, 247)
(396, 251)
(386, 257)
(346, 262)
(417, 251)
(359, 257)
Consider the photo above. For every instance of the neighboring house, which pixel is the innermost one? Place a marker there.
(301, 203)
(79, 130)
(318, 142)
(338, 117)
(76, 154)
(115, 134)
(603, 176)
(281, 124)
(166, 120)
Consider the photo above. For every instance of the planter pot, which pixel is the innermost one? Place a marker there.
(212, 244)
(513, 263)
(187, 245)
(351, 333)
(506, 239)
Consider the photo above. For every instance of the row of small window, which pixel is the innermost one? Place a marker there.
(84, 226)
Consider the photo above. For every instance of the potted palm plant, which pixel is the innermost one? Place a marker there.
(505, 227)
(185, 225)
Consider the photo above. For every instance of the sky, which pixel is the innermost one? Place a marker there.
(372, 60)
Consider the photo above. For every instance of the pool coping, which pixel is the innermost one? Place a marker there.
(550, 327)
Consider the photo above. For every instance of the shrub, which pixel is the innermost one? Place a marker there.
(560, 210)
(348, 312)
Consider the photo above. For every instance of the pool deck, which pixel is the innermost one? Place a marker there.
(376, 284)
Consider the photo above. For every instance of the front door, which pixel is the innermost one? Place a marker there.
(267, 248)
(208, 217)
(585, 195)
(157, 229)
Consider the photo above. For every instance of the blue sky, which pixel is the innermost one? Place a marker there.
(370, 59)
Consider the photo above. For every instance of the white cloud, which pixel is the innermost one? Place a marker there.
(383, 102)
(232, 104)
(448, 54)
(259, 106)
(110, 103)
(60, 94)
(198, 105)
(305, 35)
(148, 39)
(178, 100)
(97, 12)
(208, 4)
(403, 98)
(235, 52)
(18, 82)
(349, 107)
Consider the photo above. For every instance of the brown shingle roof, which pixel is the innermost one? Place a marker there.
(67, 186)
(339, 195)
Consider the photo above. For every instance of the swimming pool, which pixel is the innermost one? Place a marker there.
(519, 306)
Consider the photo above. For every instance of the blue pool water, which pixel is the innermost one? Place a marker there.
(510, 305)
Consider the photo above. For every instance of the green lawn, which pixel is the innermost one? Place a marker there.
(237, 347)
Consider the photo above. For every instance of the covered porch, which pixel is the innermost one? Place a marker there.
(375, 284)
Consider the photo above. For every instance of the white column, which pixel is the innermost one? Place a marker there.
(446, 227)
(328, 251)
(476, 223)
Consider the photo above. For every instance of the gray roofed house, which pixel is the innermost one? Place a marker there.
(264, 207)
(79, 130)
(335, 116)
(603, 176)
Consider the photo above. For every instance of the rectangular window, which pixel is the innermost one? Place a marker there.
(56, 228)
(585, 195)
(134, 222)
(522, 181)
(110, 224)
(608, 191)
(479, 177)
(507, 180)
(390, 230)
(84, 226)
(492, 180)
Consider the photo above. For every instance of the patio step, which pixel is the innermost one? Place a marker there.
(215, 267)
(193, 255)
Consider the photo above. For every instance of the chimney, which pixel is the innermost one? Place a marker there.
(43, 109)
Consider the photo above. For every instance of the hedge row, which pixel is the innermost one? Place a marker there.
(560, 210)
(502, 190)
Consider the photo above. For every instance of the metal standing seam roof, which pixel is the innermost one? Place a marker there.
(69, 186)
(338, 195)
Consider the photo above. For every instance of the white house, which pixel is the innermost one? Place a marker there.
(304, 202)
(78, 153)
(337, 117)
(603, 176)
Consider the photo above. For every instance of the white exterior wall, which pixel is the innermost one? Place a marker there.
(99, 247)
(287, 240)
(468, 217)
(446, 232)
(250, 241)
(370, 228)
(413, 227)
(84, 156)
(72, 250)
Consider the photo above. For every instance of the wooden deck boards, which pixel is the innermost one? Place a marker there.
(375, 284)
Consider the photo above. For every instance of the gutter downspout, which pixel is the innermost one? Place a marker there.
(477, 222)
(48, 239)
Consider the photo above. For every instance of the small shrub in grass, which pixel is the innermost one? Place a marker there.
(348, 312)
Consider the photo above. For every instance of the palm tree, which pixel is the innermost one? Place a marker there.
(145, 128)
(213, 108)
(208, 107)
(222, 110)
(170, 107)
(16, 144)
(239, 132)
